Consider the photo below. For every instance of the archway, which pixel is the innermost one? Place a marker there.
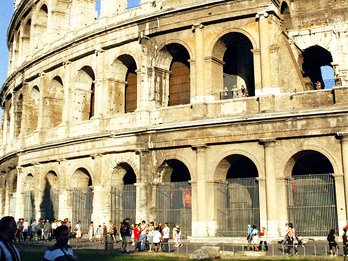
(82, 207)
(123, 194)
(174, 196)
(314, 57)
(84, 95)
(179, 79)
(311, 194)
(237, 195)
(235, 49)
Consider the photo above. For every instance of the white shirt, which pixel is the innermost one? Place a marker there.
(166, 232)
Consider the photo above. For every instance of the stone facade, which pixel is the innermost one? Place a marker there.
(205, 91)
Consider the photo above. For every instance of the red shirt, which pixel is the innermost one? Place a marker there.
(136, 233)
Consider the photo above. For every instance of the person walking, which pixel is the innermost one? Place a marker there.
(60, 250)
(78, 231)
(91, 231)
(8, 227)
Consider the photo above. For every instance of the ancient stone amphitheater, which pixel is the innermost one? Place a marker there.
(208, 114)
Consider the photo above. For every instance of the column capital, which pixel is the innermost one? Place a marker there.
(343, 136)
(197, 26)
(261, 14)
(268, 142)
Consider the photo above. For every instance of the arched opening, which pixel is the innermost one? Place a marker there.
(179, 79)
(285, 12)
(18, 115)
(123, 194)
(314, 58)
(33, 110)
(49, 206)
(237, 195)
(29, 201)
(174, 196)
(311, 194)
(82, 207)
(238, 68)
(26, 39)
(40, 27)
(83, 97)
(131, 86)
(54, 103)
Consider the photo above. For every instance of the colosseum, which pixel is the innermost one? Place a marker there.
(209, 114)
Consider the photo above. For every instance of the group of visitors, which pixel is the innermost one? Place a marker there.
(142, 236)
(257, 240)
(9, 231)
(41, 229)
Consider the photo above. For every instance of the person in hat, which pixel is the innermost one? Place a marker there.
(177, 236)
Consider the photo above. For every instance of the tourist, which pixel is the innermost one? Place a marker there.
(345, 242)
(177, 236)
(291, 239)
(249, 236)
(143, 235)
(60, 250)
(165, 233)
(156, 239)
(263, 239)
(78, 231)
(255, 238)
(136, 233)
(332, 240)
(8, 251)
(125, 231)
(91, 231)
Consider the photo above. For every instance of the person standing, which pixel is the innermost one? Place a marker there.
(60, 250)
(332, 240)
(125, 231)
(91, 231)
(8, 227)
(166, 233)
(291, 239)
(25, 229)
(345, 242)
(78, 231)
(249, 236)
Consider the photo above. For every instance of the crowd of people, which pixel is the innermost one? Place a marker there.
(142, 236)
(41, 229)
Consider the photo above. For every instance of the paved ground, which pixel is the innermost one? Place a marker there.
(311, 248)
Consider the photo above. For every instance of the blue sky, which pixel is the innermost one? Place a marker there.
(6, 12)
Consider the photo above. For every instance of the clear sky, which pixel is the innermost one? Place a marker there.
(6, 12)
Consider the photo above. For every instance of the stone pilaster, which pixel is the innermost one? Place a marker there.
(340, 200)
(199, 223)
(198, 92)
(66, 114)
(271, 186)
(99, 105)
(265, 58)
(344, 151)
(19, 212)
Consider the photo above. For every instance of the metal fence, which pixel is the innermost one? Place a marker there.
(312, 204)
(174, 205)
(123, 203)
(238, 206)
(82, 207)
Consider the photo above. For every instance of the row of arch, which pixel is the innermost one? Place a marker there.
(237, 194)
(123, 87)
